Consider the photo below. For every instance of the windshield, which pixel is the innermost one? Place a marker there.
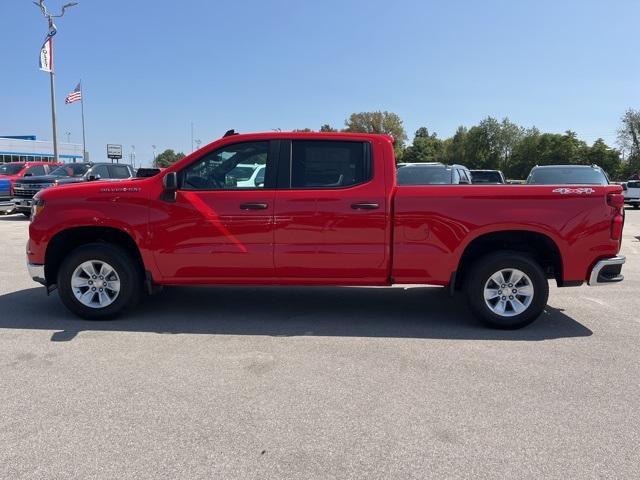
(633, 184)
(567, 176)
(71, 170)
(423, 175)
(241, 173)
(11, 168)
(485, 177)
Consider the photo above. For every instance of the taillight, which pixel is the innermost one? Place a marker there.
(616, 227)
(616, 200)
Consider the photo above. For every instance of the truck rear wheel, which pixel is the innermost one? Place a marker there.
(98, 281)
(507, 290)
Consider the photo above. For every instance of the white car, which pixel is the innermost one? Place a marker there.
(248, 176)
(632, 193)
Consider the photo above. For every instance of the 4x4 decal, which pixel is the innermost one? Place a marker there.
(581, 190)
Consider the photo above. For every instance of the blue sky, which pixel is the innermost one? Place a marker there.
(151, 68)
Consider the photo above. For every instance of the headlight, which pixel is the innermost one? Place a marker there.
(36, 207)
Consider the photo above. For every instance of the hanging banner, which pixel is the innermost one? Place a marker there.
(46, 56)
(46, 52)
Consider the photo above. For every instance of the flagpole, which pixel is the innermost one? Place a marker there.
(84, 144)
(53, 99)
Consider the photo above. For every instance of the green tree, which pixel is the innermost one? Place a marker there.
(378, 122)
(168, 158)
(629, 140)
(609, 159)
(454, 149)
(425, 148)
(629, 131)
(327, 128)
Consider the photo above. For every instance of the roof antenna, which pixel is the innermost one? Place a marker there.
(229, 133)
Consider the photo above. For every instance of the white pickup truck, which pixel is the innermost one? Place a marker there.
(632, 193)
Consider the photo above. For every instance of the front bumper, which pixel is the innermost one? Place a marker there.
(37, 273)
(6, 206)
(22, 204)
(607, 271)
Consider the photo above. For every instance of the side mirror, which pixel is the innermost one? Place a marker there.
(93, 178)
(170, 186)
(28, 175)
(259, 182)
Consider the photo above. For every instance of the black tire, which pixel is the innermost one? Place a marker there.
(26, 214)
(481, 272)
(636, 206)
(122, 262)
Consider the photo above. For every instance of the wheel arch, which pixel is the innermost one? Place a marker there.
(538, 245)
(69, 239)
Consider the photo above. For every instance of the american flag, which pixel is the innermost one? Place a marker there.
(74, 96)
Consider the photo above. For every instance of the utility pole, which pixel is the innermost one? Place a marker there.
(154, 155)
(191, 136)
(133, 156)
(52, 32)
(68, 136)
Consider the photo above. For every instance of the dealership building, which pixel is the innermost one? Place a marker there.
(26, 148)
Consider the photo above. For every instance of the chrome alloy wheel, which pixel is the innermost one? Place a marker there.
(508, 292)
(95, 284)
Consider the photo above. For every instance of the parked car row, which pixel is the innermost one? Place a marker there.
(19, 182)
(436, 173)
(631, 190)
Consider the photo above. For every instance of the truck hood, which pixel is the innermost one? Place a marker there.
(67, 180)
(37, 179)
(84, 189)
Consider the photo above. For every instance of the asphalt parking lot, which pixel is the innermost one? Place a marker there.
(318, 383)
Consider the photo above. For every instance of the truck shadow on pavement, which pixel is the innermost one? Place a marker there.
(418, 312)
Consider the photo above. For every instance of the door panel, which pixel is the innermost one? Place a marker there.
(219, 229)
(333, 232)
(209, 236)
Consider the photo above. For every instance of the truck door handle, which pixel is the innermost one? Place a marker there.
(365, 206)
(254, 206)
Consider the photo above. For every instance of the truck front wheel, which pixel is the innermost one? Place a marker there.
(98, 281)
(507, 290)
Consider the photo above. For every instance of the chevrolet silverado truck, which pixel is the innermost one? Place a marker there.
(329, 212)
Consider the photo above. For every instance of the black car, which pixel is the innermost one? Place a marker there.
(25, 188)
(487, 177)
(567, 175)
(432, 174)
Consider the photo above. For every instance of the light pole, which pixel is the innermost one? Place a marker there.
(132, 155)
(52, 32)
(198, 142)
(68, 136)
(154, 155)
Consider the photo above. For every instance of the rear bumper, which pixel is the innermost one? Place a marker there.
(607, 271)
(37, 273)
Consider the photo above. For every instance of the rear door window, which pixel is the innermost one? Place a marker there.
(36, 170)
(119, 171)
(567, 176)
(426, 175)
(101, 170)
(329, 164)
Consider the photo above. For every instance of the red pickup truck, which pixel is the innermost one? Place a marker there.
(327, 212)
